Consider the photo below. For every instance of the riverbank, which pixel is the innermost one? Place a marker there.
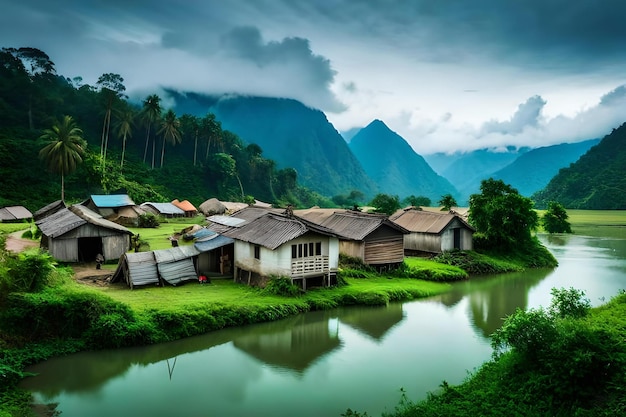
(71, 315)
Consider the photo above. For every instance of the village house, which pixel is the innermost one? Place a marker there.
(373, 238)
(77, 234)
(118, 208)
(277, 245)
(433, 232)
(189, 209)
(167, 210)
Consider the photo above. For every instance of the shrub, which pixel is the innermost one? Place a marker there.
(148, 220)
(282, 286)
(28, 271)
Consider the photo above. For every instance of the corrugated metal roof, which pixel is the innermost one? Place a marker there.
(317, 215)
(164, 208)
(184, 205)
(356, 226)
(49, 209)
(15, 213)
(250, 213)
(226, 220)
(142, 268)
(113, 200)
(203, 233)
(96, 219)
(59, 223)
(425, 221)
(175, 254)
(179, 271)
(271, 230)
(214, 243)
(68, 219)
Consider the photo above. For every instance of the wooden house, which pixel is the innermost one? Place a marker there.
(189, 209)
(118, 208)
(284, 246)
(433, 232)
(77, 234)
(373, 238)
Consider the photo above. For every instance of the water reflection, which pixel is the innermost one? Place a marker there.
(293, 344)
(323, 362)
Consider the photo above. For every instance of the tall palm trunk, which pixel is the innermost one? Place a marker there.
(123, 151)
(145, 151)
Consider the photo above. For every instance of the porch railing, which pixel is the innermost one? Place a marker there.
(312, 265)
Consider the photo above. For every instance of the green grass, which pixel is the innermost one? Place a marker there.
(158, 237)
(378, 290)
(13, 227)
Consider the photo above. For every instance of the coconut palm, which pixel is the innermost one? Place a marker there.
(150, 114)
(64, 150)
(170, 130)
(111, 89)
(125, 130)
(190, 125)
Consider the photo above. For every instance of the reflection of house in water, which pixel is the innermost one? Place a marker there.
(294, 345)
(374, 322)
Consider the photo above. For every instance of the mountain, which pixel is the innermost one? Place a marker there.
(596, 181)
(293, 135)
(532, 171)
(466, 171)
(395, 167)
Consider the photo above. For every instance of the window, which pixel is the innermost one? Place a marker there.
(257, 252)
(304, 250)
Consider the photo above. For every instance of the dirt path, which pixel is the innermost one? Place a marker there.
(15, 242)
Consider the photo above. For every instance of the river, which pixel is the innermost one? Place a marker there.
(321, 363)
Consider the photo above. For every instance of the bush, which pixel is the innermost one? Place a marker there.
(27, 271)
(282, 286)
(148, 220)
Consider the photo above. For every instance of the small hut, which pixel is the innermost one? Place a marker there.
(212, 206)
(189, 209)
(77, 234)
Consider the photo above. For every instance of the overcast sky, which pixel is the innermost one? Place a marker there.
(445, 74)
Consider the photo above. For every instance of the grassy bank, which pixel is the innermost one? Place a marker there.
(561, 361)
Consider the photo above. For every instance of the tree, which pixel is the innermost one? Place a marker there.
(150, 113)
(170, 130)
(503, 216)
(125, 130)
(64, 150)
(447, 202)
(211, 130)
(190, 125)
(555, 218)
(111, 88)
(417, 201)
(385, 203)
(227, 168)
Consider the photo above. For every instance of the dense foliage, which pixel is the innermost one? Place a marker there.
(554, 220)
(503, 217)
(567, 360)
(140, 148)
(595, 181)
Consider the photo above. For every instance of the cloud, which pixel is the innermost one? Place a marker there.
(527, 115)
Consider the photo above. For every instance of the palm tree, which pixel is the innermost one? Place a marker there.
(64, 151)
(191, 125)
(150, 114)
(111, 89)
(125, 130)
(170, 130)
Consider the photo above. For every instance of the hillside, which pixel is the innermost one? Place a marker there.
(532, 171)
(395, 167)
(294, 136)
(595, 181)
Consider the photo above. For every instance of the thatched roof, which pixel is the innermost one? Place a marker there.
(212, 206)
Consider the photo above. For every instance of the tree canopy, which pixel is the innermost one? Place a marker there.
(503, 216)
(554, 220)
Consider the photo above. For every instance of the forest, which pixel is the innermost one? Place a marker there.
(142, 149)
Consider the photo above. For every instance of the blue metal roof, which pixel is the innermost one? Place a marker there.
(203, 233)
(216, 242)
(115, 200)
